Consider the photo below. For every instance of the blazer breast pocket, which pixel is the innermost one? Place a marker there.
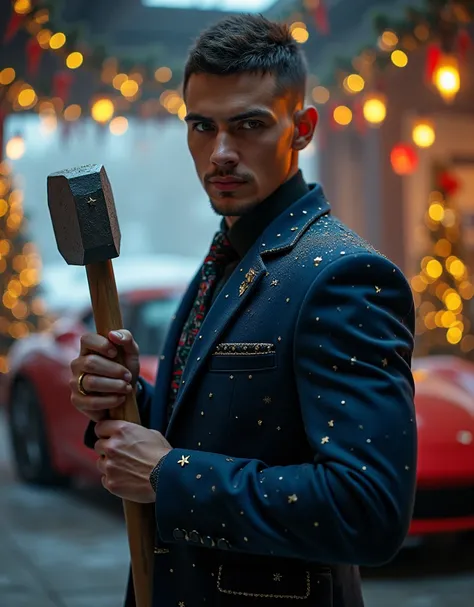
(237, 357)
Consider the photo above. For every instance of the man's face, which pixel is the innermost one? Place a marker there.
(241, 137)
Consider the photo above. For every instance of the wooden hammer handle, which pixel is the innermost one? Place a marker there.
(139, 518)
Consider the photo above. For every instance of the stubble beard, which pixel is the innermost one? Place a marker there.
(236, 210)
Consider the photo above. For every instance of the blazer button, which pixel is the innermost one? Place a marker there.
(208, 542)
(223, 544)
(194, 536)
(180, 534)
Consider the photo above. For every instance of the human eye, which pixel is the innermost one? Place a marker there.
(202, 127)
(251, 125)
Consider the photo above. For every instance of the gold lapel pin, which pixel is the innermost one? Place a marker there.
(249, 278)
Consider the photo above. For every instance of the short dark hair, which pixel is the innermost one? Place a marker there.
(249, 43)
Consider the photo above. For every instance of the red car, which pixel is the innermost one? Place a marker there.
(47, 433)
(445, 418)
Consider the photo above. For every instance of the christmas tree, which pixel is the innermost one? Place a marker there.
(20, 267)
(443, 289)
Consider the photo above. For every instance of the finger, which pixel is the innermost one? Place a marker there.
(108, 428)
(95, 364)
(124, 339)
(92, 342)
(96, 404)
(97, 384)
(100, 447)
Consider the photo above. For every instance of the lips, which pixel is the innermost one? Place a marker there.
(227, 183)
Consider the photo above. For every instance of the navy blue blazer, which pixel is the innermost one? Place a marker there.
(294, 429)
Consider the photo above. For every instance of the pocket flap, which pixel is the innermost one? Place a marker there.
(264, 583)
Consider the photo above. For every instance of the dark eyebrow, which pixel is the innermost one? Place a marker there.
(255, 113)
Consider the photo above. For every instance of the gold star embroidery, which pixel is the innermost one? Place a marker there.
(184, 460)
(384, 362)
(181, 604)
(91, 201)
(331, 423)
(277, 577)
(267, 400)
(353, 360)
(377, 289)
(292, 498)
(317, 261)
(274, 283)
(324, 440)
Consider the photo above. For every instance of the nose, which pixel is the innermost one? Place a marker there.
(224, 153)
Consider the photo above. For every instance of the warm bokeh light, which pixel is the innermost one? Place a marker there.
(57, 40)
(446, 77)
(299, 32)
(404, 159)
(22, 7)
(354, 83)
(44, 37)
(375, 109)
(423, 134)
(118, 125)
(399, 58)
(15, 147)
(342, 115)
(27, 98)
(436, 211)
(388, 40)
(129, 88)
(102, 110)
(72, 112)
(118, 80)
(7, 75)
(320, 95)
(74, 60)
(163, 74)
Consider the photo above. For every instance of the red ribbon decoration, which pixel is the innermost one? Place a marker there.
(433, 55)
(321, 17)
(13, 25)
(33, 55)
(448, 183)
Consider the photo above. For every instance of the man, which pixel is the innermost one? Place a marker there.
(281, 447)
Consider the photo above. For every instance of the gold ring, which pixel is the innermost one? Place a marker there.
(80, 387)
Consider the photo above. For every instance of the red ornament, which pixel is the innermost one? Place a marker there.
(33, 56)
(404, 159)
(13, 25)
(448, 183)
(433, 55)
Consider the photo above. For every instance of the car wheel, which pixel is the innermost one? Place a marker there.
(29, 439)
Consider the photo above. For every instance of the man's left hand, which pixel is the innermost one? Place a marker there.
(128, 453)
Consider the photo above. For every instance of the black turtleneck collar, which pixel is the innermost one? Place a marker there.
(248, 228)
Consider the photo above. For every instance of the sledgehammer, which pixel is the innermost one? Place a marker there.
(87, 233)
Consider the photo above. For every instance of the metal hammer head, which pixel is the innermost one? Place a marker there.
(82, 209)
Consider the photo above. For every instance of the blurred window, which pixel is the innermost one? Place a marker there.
(149, 323)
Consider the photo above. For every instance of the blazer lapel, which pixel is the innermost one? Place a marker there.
(158, 417)
(236, 293)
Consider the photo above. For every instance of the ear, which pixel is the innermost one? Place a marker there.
(305, 124)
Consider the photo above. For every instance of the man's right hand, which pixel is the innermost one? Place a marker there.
(106, 381)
